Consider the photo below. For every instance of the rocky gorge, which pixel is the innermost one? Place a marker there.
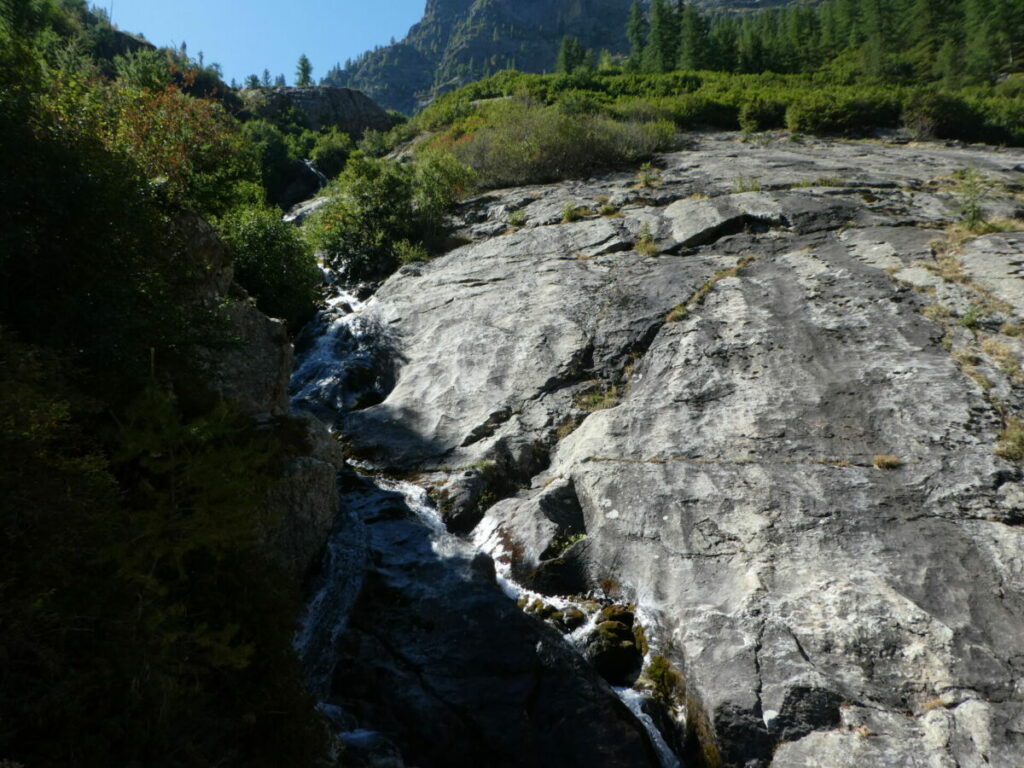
(751, 415)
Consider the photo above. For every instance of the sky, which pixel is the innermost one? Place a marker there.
(246, 36)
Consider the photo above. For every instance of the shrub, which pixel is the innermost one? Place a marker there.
(523, 142)
(330, 152)
(844, 113)
(272, 262)
(378, 204)
(760, 114)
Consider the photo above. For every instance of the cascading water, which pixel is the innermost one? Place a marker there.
(320, 176)
(344, 361)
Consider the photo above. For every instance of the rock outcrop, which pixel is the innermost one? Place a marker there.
(782, 418)
(322, 107)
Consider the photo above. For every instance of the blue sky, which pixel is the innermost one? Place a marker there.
(246, 36)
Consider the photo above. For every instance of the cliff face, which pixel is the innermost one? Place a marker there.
(780, 421)
(459, 41)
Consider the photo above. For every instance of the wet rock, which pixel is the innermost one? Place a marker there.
(612, 649)
(569, 619)
(814, 604)
(442, 663)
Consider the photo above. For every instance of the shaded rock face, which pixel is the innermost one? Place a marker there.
(323, 107)
(435, 656)
(709, 416)
(252, 374)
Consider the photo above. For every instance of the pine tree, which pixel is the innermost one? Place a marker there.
(265, 80)
(252, 81)
(571, 55)
(637, 33)
(279, 82)
(303, 72)
(693, 38)
(663, 44)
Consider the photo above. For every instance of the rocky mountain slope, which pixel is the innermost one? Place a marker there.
(459, 41)
(769, 400)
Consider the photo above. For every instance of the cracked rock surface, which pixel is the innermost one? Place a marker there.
(774, 393)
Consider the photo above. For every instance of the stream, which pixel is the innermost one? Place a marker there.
(344, 361)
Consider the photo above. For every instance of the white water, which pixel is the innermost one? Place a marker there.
(312, 166)
(344, 345)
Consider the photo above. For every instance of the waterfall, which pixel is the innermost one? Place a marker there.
(312, 166)
(343, 361)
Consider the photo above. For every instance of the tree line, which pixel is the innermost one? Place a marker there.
(954, 42)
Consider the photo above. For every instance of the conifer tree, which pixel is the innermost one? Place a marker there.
(637, 33)
(265, 80)
(571, 55)
(303, 72)
(693, 38)
(663, 42)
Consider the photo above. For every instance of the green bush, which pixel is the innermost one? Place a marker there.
(330, 152)
(842, 113)
(760, 114)
(377, 205)
(272, 262)
(523, 142)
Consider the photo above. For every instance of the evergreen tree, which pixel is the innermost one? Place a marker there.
(663, 43)
(693, 38)
(252, 81)
(265, 80)
(571, 55)
(303, 72)
(637, 33)
(279, 82)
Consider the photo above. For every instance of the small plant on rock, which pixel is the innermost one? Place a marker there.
(645, 244)
(572, 212)
(517, 219)
(747, 184)
(1011, 441)
(972, 190)
(648, 177)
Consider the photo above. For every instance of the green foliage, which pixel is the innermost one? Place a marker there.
(523, 142)
(139, 621)
(668, 683)
(330, 152)
(972, 190)
(761, 114)
(303, 72)
(376, 205)
(272, 262)
(143, 69)
(572, 56)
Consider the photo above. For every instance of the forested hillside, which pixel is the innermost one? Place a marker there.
(143, 621)
(956, 42)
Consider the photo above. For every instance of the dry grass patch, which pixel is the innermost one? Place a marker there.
(886, 461)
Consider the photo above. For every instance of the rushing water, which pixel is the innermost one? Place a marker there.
(344, 361)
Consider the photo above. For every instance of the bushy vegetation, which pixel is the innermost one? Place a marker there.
(272, 262)
(380, 210)
(804, 103)
(520, 141)
(141, 620)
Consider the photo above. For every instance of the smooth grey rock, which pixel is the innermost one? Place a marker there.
(727, 484)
